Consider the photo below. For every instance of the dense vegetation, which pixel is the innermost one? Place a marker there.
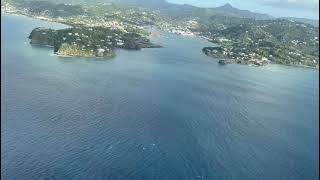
(281, 41)
(46, 8)
(88, 41)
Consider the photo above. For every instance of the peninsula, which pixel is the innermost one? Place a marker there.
(89, 42)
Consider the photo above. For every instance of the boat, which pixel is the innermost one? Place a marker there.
(224, 62)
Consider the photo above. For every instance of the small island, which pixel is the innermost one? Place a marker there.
(89, 42)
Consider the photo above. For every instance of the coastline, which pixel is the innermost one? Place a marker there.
(233, 61)
(93, 57)
(62, 55)
(36, 17)
(152, 34)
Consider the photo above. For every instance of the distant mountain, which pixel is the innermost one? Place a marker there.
(154, 4)
(184, 10)
(228, 9)
(303, 20)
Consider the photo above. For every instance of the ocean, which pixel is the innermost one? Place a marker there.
(156, 114)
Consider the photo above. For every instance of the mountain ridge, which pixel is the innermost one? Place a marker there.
(231, 10)
(226, 9)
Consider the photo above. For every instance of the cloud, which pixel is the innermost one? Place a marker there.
(292, 4)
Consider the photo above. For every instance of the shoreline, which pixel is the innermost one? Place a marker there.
(36, 17)
(253, 65)
(157, 35)
(91, 57)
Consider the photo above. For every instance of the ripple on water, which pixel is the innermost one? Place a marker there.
(169, 113)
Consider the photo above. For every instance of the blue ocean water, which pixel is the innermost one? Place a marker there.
(156, 114)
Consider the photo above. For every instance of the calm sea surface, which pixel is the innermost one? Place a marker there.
(155, 114)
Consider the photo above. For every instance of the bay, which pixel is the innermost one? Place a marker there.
(168, 113)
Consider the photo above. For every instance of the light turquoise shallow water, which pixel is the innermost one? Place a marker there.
(169, 113)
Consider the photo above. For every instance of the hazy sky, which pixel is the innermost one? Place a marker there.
(277, 8)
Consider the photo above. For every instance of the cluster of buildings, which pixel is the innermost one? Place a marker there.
(180, 27)
(8, 8)
(259, 62)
